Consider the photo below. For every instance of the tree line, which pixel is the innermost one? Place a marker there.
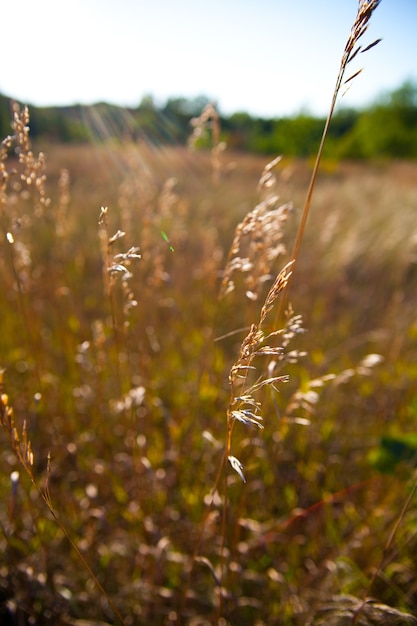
(385, 129)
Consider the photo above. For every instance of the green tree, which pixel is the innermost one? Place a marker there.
(5, 116)
(387, 129)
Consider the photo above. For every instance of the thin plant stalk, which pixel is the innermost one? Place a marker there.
(250, 345)
(386, 550)
(106, 256)
(23, 310)
(21, 446)
(365, 10)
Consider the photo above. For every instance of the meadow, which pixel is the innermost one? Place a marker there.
(206, 417)
(117, 369)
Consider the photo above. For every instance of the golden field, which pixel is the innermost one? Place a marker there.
(117, 369)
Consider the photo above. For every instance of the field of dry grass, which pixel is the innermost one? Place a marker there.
(118, 367)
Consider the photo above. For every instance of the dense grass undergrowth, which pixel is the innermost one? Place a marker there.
(192, 434)
(130, 401)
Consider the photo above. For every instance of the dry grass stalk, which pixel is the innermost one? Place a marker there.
(5, 147)
(365, 10)
(161, 214)
(244, 406)
(32, 174)
(63, 204)
(209, 123)
(115, 267)
(21, 446)
(23, 182)
(258, 240)
(348, 610)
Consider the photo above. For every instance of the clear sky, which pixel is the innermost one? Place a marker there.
(266, 57)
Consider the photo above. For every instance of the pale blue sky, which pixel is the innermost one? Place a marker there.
(267, 57)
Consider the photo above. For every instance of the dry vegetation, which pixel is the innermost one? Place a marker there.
(128, 342)
(130, 401)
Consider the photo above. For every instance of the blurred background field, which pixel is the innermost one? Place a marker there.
(119, 367)
(132, 268)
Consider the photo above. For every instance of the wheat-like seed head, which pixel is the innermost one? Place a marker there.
(252, 344)
(365, 10)
(258, 240)
(33, 167)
